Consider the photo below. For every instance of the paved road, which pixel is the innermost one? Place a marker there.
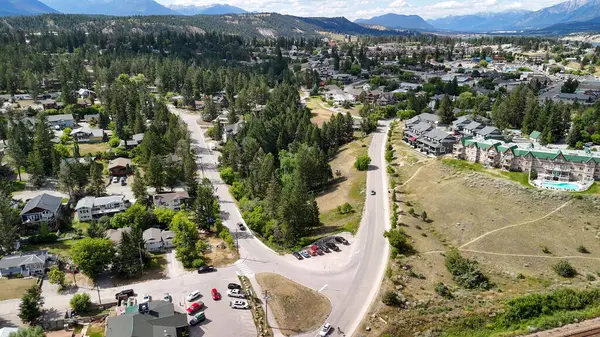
(351, 285)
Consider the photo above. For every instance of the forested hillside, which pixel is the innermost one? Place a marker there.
(264, 25)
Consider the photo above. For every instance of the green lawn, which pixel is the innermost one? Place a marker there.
(463, 165)
(14, 288)
(61, 248)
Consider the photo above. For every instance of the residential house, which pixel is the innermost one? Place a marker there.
(167, 239)
(61, 121)
(373, 96)
(49, 104)
(576, 97)
(535, 136)
(26, 264)
(89, 208)
(436, 142)
(430, 118)
(409, 86)
(471, 128)
(199, 105)
(134, 141)
(174, 200)
(231, 130)
(91, 118)
(461, 122)
(119, 166)
(86, 93)
(153, 239)
(412, 132)
(42, 209)
(115, 235)
(387, 98)
(151, 319)
(86, 135)
(489, 132)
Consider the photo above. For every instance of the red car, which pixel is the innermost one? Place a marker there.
(194, 307)
(215, 294)
(311, 252)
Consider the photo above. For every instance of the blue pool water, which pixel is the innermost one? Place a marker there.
(561, 185)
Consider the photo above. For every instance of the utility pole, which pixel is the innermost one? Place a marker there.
(237, 241)
(266, 298)
(98, 290)
(141, 260)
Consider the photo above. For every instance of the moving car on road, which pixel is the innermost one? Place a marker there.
(193, 295)
(199, 317)
(215, 294)
(206, 269)
(239, 304)
(325, 329)
(241, 226)
(194, 307)
(372, 192)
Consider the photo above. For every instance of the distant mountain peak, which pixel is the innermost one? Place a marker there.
(213, 9)
(391, 20)
(24, 7)
(110, 7)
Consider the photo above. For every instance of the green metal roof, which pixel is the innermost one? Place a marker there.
(535, 134)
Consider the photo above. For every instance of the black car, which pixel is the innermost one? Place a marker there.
(234, 286)
(297, 255)
(341, 240)
(324, 248)
(206, 269)
(333, 246)
(241, 226)
(126, 292)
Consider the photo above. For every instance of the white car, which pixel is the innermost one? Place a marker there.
(325, 329)
(115, 180)
(236, 293)
(146, 298)
(239, 304)
(194, 295)
(167, 297)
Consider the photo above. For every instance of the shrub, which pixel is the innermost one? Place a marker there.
(114, 142)
(238, 190)
(545, 250)
(81, 302)
(465, 272)
(424, 215)
(442, 290)
(346, 208)
(362, 162)
(583, 250)
(390, 298)
(590, 277)
(564, 269)
(398, 240)
(227, 175)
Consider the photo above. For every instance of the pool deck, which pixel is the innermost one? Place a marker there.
(556, 185)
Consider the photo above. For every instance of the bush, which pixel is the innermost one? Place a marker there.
(590, 277)
(114, 142)
(564, 269)
(545, 250)
(583, 250)
(81, 302)
(442, 290)
(362, 162)
(227, 175)
(346, 208)
(390, 298)
(398, 240)
(238, 190)
(465, 272)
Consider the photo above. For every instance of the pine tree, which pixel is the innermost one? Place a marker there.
(31, 305)
(445, 112)
(139, 189)
(9, 225)
(97, 186)
(232, 116)
(154, 174)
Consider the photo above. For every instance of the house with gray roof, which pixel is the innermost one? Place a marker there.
(461, 122)
(42, 209)
(436, 142)
(26, 264)
(115, 235)
(173, 200)
(133, 142)
(489, 132)
(61, 121)
(471, 128)
(89, 208)
(230, 130)
(153, 239)
(151, 319)
(87, 135)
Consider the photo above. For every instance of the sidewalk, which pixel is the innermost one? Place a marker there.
(270, 316)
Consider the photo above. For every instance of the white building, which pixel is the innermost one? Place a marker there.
(90, 208)
(157, 240)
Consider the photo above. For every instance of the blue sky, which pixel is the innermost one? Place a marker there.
(353, 9)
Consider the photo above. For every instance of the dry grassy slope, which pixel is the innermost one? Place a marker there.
(464, 206)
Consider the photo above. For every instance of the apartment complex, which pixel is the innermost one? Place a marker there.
(582, 167)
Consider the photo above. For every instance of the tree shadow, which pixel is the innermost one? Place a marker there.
(4, 323)
(331, 186)
(51, 314)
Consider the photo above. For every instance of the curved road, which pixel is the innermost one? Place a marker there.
(352, 286)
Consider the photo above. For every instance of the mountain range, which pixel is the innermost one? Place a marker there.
(480, 22)
(214, 9)
(398, 21)
(23, 7)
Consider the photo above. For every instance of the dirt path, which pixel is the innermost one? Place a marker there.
(414, 174)
(515, 225)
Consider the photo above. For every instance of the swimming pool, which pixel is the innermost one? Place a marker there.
(561, 185)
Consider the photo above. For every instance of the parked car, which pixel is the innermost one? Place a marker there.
(297, 255)
(115, 180)
(311, 252)
(234, 286)
(215, 294)
(238, 293)
(341, 240)
(126, 292)
(304, 254)
(123, 182)
(239, 304)
(206, 269)
(199, 317)
(146, 298)
(193, 295)
(167, 298)
(319, 252)
(241, 226)
(324, 248)
(194, 307)
(333, 246)
(314, 248)
(325, 330)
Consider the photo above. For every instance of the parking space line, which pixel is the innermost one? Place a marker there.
(323, 288)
